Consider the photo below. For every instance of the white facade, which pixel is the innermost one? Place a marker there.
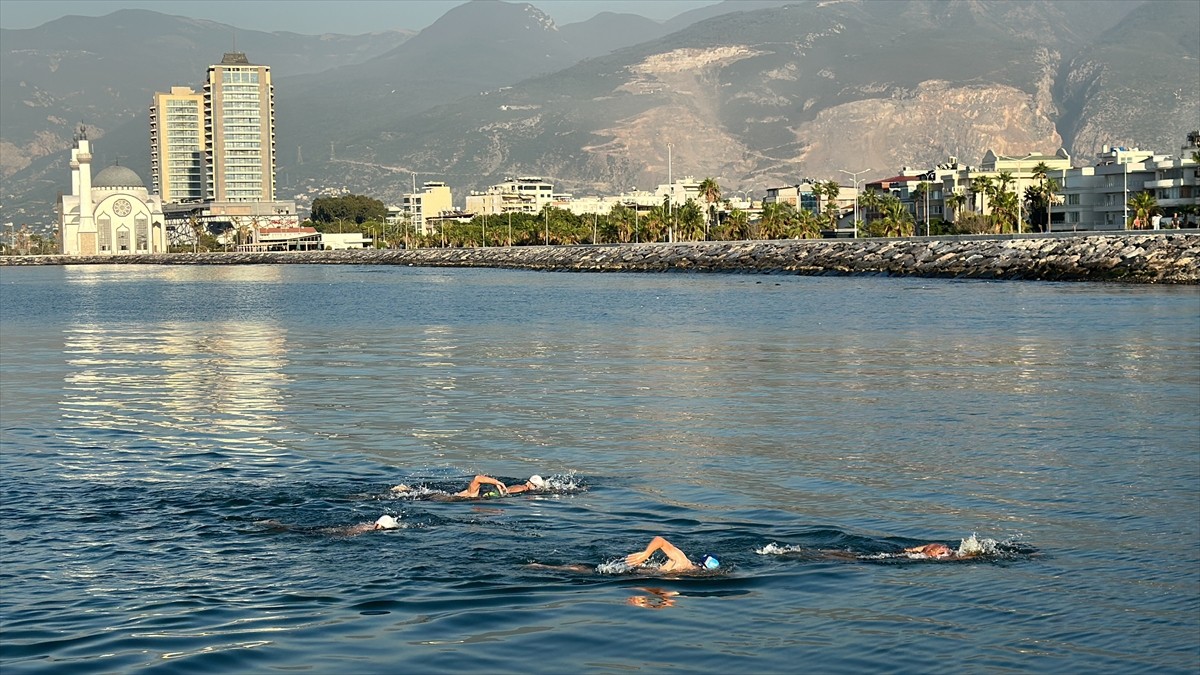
(114, 214)
(527, 194)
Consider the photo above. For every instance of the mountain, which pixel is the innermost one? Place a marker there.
(759, 96)
(1137, 84)
(104, 71)
(474, 48)
(608, 31)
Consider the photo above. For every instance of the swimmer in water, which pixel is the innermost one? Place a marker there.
(677, 562)
(385, 522)
(486, 487)
(939, 552)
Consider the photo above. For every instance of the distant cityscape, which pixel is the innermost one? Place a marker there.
(213, 175)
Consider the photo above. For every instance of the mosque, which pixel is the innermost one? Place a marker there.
(112, 213)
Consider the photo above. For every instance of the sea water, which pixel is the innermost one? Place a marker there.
(186, 452)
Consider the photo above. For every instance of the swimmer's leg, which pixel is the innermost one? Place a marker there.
(578, 569)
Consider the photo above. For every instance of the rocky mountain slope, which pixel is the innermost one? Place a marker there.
(760, 96)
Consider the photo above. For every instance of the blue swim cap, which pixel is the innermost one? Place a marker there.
(709, 562)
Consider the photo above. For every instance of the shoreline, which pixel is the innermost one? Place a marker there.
(1162, 257)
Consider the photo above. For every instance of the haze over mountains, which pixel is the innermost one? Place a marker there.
(757, 93)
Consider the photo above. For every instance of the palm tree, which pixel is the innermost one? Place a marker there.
(711, 192)
(691, 221)
(738, 224)
(194, 222)
(775, 217)
(868, 203)
(1144, 205)
(803, 224)
(920, 193)
(830, 189)
(979, 188)
(956, 200)
(896, 220)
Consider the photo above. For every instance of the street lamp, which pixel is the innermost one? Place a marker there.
(854, 177)
(1125, 202)
(671, 198)
(635, 215)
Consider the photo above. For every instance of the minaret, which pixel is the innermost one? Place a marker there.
(83, 158)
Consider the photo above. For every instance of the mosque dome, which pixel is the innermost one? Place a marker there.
(117, 176)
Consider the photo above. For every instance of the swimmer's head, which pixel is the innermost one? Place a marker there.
(537, 482)
(386, 523)
(401, 488)
(709, 562)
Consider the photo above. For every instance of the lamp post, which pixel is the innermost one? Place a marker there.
(1125, 201)
(854, 177)
(635, 215)
(510, 228)
(670, 198)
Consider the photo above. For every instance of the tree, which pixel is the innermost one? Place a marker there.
(692, 223)
(830, 190)
(895, 220)
(956, 200)
(1144, 205)
(737, 225)
(711, 192)
(197, 229)
(979, 188)
(353, 208)
(775, 219)
(920, 197)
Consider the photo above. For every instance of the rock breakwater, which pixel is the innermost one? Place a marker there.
(1172, 258)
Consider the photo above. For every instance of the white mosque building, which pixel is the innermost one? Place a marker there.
(110, 214)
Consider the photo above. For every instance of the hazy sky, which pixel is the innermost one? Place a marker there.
(314, 17)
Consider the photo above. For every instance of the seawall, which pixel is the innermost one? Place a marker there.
(1160, 257)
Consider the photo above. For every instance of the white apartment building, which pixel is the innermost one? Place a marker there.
(525, 194)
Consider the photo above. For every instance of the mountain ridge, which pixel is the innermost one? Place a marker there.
(756, 98)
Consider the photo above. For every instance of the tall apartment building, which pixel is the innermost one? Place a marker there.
(239, 133)
(177, 145)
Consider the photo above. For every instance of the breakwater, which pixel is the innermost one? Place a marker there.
(1160, 257)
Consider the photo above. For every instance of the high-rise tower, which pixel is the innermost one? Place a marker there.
(177, 145)
(239, 133)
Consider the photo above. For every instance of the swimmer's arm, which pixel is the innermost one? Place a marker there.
(677, 558)
(480, 479)
(517, 489)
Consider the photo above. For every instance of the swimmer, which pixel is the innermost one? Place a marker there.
(385, 522)
(676, 560)
(969, 548)
(486, 487)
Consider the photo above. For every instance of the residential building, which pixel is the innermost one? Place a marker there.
(177, 145)
(239, 141)
(679, 192)
(417, 208)
(1017, 169)
(526, 194)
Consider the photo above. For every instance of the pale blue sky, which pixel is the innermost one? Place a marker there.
(314, 17)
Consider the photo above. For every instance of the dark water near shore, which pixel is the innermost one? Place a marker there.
(155, 418)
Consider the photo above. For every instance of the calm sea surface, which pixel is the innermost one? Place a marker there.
(183, 446)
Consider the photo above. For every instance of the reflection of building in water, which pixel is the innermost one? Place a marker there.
(173, 381)
(113, 213)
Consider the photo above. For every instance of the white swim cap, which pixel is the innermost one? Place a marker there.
(386, 523)
(537, 481)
